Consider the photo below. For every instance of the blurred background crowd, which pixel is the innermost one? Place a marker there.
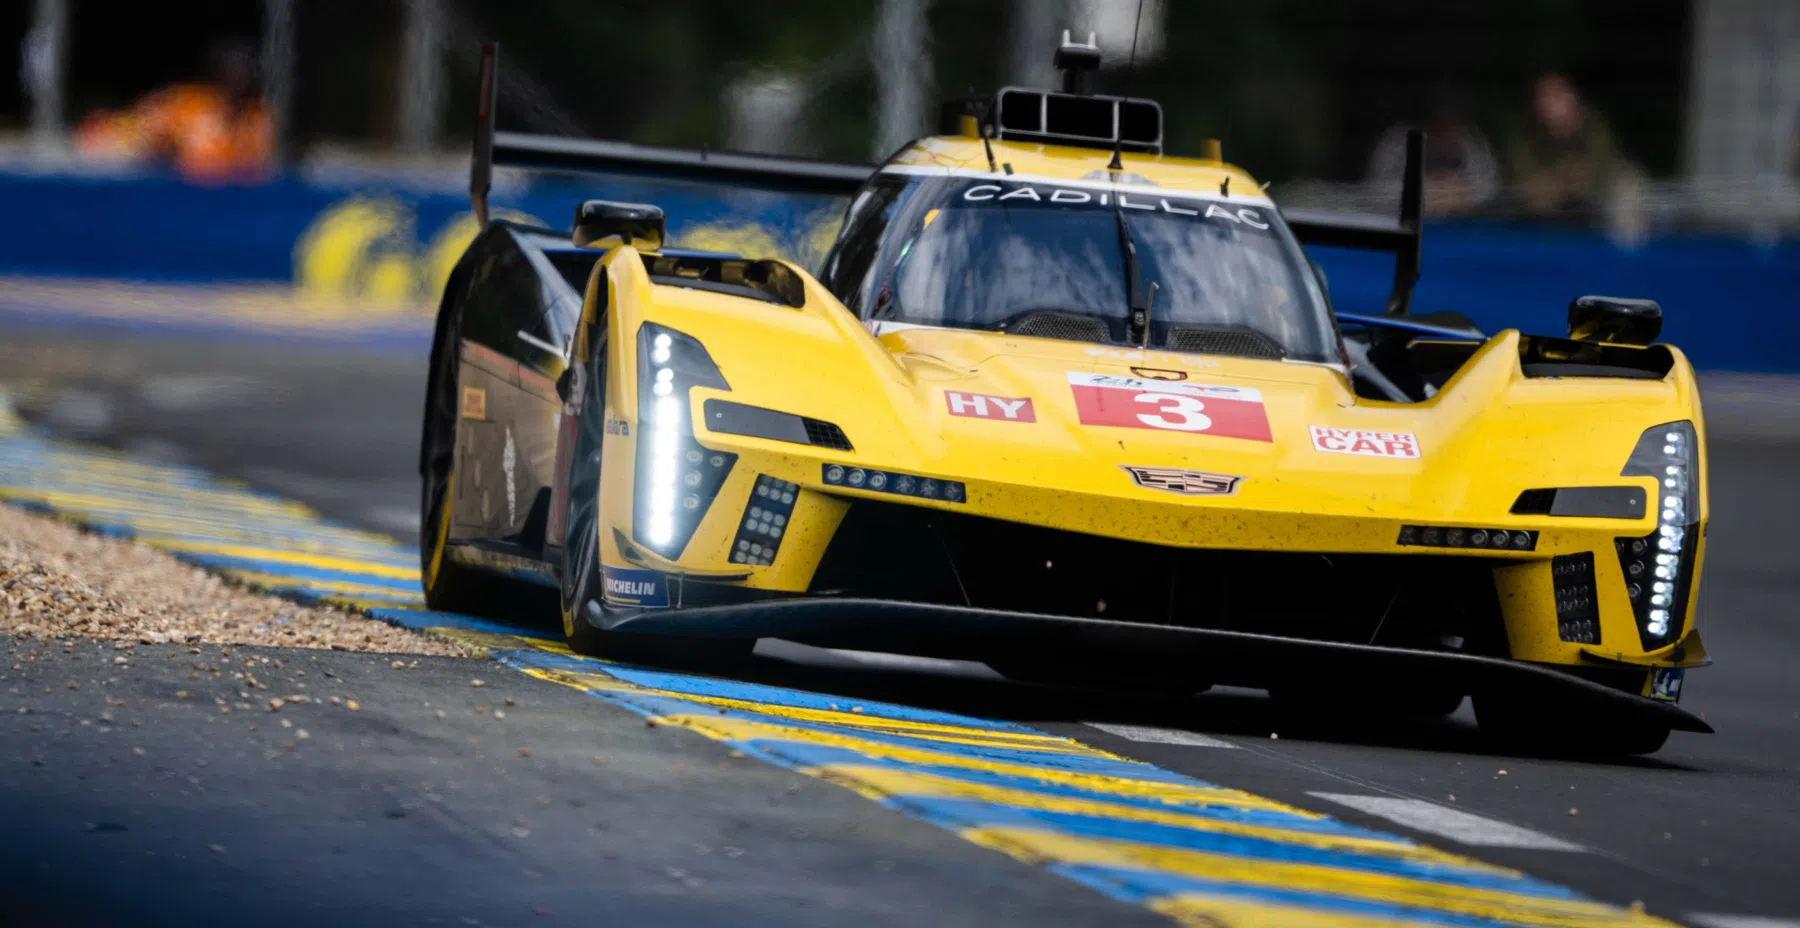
(1636, 114)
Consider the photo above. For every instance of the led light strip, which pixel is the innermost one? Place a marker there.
(665, 436)
(1492, 539)
(882, 481)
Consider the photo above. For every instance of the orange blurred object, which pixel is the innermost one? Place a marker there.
(199, 129)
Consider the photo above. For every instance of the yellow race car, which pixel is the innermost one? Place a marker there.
(1069, 405)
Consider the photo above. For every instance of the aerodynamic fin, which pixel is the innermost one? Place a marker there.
(1401, 236)
(550, 152)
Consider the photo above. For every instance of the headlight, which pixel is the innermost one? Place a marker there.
(677, 478)
(1659, 567)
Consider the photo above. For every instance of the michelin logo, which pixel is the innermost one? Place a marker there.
(626, 586)
(1665, 683)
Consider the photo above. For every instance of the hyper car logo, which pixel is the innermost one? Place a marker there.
(983, 406)
(1365, 442)
(1185, 482)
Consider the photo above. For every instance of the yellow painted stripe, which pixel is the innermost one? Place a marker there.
(495, 641)
(732, 729)
(954, 734)
(1214, 912)
(79, 501)
(235, 529)
(268, 581)
(884, 782)
(363, 604)
(279, 556)
(949, 734)
(152, 489)
(1041, 847)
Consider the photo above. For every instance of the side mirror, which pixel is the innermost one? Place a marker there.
(1614, 319)
(636, 224)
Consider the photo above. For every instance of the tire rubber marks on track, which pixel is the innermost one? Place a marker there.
(1145, 734)
(1455, 824)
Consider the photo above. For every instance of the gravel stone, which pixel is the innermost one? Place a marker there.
(57, 582)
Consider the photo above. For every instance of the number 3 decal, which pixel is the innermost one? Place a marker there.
(1181, 413)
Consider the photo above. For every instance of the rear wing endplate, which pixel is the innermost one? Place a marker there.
(549, 152)
(1399, 237)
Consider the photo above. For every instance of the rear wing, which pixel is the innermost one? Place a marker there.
(549, 152)
(1399, 237)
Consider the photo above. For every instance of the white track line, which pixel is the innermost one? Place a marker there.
(1714, 920)
(1455, 824)
(1149, 735)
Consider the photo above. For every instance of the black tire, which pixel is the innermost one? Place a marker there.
(581, 559)
(450, 586)
(1538, 729)
(580, 568)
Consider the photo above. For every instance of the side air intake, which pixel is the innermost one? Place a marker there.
(1236, 342)
(1066, 326)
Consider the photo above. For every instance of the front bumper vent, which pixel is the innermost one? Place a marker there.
(765, 520)
(826, 435)
(1577, 605)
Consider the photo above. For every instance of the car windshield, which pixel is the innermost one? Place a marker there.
(1040, 258)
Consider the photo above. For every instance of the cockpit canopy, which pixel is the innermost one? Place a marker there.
(1074, 259)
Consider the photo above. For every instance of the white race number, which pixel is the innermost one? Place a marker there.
(1177, 412)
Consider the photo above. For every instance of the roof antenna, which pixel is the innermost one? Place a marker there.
(984, 128)
(1137, 22)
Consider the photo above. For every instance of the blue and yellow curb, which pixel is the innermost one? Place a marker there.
(1203, 854)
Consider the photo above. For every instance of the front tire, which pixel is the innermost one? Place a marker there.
(450, 586)
(581, 571)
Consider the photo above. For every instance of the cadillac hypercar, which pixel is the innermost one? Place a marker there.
(1068, 404)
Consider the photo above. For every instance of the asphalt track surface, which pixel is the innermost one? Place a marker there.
(1708, 827)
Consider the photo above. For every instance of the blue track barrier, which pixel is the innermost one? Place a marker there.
(1730, 304)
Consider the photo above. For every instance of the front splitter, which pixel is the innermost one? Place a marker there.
(1230, 657)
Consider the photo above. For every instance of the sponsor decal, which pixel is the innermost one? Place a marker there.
(1137, 356)
(1151, 373)
(630, 586)
(984, 406)
(1365, 442)
(618, 427)
(509, 461)
(1013, 193)
(1665, 683)
(1185, 482)
(1140, 403)
(474, 403)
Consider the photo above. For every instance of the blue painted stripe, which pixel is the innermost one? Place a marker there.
(424, 619)
(806, 755)
(311, 596)
(1143, 886)
(657, 706)
(324, 546)
(386, 558)
(800, 699)
(296, 571)
(967, 813)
